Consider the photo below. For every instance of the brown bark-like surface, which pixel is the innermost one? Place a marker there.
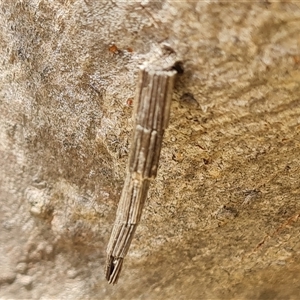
(222, 216)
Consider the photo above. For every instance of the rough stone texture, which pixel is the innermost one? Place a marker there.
(222, 218)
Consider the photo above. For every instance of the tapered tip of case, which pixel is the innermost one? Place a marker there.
(113, 269)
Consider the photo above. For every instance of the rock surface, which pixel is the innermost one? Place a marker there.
(222, 218)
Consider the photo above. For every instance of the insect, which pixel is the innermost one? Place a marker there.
(152, 110)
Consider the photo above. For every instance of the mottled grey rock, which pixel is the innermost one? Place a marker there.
(222, 218)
